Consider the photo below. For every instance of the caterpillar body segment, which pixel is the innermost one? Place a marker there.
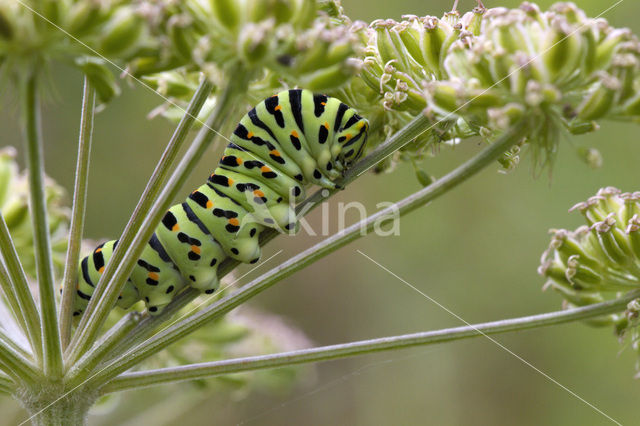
(287, 142)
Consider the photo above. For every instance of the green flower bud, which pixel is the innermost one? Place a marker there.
(170, 84)
(598, 103)
(100, 77)
(562, 50)
(121, 33)
(328, 78)
(227, 12)
(590, 156)
(254, 41)
(83, 17)
(434, 37)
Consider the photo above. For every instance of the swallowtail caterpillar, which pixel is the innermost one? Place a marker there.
(287, 142)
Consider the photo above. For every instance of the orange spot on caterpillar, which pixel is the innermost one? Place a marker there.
(209, 204)
(258, 193)
(278, 107)
(195, 249)
(99, 249)
(175, 228)
(250, 135)
(348, 136)
(230, 181)
(294, 133)
(154, 276)
(101, 270)
(323, 103)
(326, 125)
(238, 160)
(275, 152)
(360, 125)
(233, 221)
(265, 169)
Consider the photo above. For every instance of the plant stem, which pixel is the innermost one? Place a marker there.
(180, 329)
(139, 379)
(404, 136)
(19, 368)
(106, 342)
(16, 290)
(78, 213)
(40, 224)
(103, 305)
(6, 384)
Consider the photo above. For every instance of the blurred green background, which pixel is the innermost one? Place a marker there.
(475, 251)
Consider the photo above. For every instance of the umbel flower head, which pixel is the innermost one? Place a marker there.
(600, 260)
(558, 70)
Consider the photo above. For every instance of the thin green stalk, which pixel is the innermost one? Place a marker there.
(52, 361)
(182, 328)
(12, 300)
(102, 306)
(19, 368)
(19, 295)
(78, 213)
(128, 381)
(106, 342)
(6, 384)
(149, 195)
(404, 136)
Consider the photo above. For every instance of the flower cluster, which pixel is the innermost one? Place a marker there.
(14, 206)
(601, 259)
(558, 70)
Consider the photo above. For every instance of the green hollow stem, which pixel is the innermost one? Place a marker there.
(404, 136)
(70, 275)
(52, 353)
(128, 381)
(189, 324)
(102, 306)
(15, 365)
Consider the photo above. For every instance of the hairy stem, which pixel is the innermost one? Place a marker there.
(78, 213)
(6, 384)
(104, 304)
(106, 342)
(187, 325)
(37, 203)
(14, 364)
(139, 379)
(15, 286)
(404, 136)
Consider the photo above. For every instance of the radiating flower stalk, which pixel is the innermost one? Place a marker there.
(599, 261)
(515, 78)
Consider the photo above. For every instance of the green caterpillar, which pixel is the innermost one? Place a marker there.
(288, 141)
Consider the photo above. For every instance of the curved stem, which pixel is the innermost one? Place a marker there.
(404, 136)
(128, 381)
(78, 213)
(102, 304)
(40, 224)
(145, 349)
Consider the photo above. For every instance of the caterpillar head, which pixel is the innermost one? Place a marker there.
(352, 139)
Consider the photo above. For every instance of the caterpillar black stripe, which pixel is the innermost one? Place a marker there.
(288, 141)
